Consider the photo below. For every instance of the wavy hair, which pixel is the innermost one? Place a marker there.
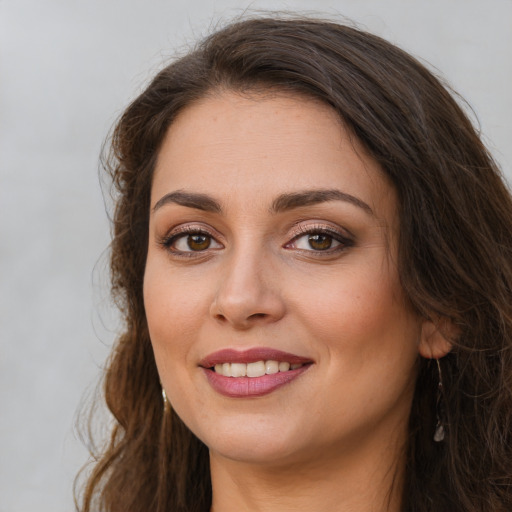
(454, 261)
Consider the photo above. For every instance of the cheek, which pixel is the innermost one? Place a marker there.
(347, 302)
(368, 341)
(172, 298)
(172, 311)
(364, 329)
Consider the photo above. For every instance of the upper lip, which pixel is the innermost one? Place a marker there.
(230, 355)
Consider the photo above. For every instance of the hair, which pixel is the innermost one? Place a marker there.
(454, 261)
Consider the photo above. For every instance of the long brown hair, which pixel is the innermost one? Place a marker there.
(455, 262)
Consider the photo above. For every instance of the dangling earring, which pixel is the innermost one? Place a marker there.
(439, 432)
(167, 406)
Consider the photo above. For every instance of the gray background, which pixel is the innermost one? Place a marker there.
(67, 68)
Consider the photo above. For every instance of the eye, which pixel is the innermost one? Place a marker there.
(320, 240)
(316, 242)
(190, 241)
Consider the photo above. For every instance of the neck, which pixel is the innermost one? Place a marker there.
(369, 478)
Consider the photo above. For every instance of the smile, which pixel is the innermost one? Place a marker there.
(257, 369)
(252, 373)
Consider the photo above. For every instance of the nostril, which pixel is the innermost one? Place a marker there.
(255, 316)
(258, 315)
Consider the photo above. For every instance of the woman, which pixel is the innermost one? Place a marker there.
(312, 253)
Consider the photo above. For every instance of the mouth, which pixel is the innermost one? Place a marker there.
(252, 373)
(256, 369)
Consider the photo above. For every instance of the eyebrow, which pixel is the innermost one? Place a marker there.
(310, 197)
(282, 203)
(190, 200)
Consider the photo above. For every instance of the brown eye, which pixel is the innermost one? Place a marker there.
(198, 242)
(190, 242)
(320, 241)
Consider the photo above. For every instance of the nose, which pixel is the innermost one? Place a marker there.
(248, 293)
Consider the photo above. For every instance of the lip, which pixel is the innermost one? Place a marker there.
(248, 387)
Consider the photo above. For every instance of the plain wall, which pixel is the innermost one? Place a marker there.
(67, 68)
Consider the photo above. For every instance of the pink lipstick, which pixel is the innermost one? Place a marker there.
(252, 373)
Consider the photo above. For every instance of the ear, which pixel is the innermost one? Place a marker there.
(435, 341)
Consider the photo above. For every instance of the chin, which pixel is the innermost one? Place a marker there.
(257, 452)
(253, 441)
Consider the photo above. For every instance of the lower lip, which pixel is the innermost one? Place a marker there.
(248, 387)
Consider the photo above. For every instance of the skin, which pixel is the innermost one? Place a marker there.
(333, 438)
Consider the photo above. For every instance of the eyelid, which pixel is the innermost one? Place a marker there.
(301, 228)
(341, 235)
(180, 231)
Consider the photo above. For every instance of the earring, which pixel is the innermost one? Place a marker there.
(439, 432)
(166, 401)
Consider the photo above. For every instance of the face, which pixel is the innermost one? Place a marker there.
(274, 307)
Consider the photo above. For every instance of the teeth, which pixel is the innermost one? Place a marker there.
(238, 369)
(284, 367)
(271, 367)
(257, 369)
(226, 369)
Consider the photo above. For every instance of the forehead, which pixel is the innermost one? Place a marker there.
(261, 145)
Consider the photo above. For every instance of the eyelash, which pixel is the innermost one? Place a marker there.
(168, 241)
(344, 242)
